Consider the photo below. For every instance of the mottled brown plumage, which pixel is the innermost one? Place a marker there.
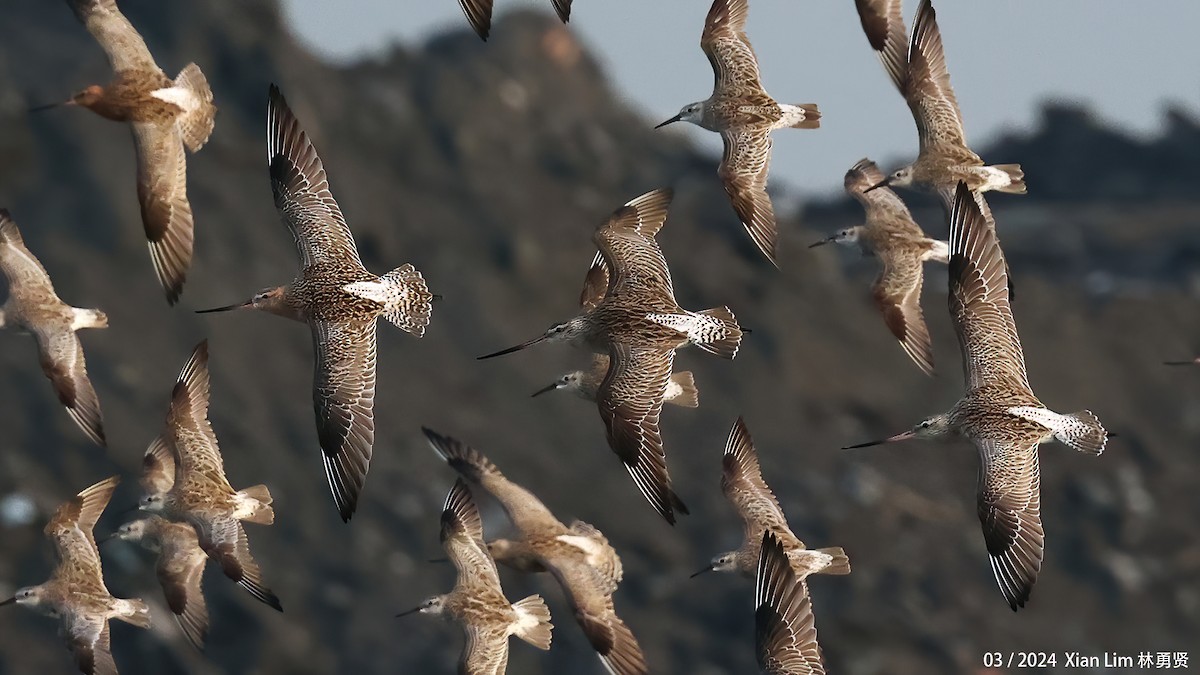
(479, 14)
(166, 116)
(743, 485)
(999, 411)
(75, 594)
(784, 626)
(745, 115)
(639, 325)
(200, 494)
(340, 301)
(34, 307)
(919, 72)
(902, 247)
(180, 570)
(580, 557)
(477, 601)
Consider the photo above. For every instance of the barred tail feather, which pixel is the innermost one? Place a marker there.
(533, 622)
(722, 337)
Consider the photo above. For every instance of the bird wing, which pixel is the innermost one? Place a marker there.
(885, 209)
(927, 85)
(225, 541)
(90, 642)
(162, 193)
(743, 485)
(158, 467)
(70, 529)
(344, 397)
(486, 651)
(883, 23)
(728, 49)
(24, 271)
(1010, 512)
(595, 284)
(302, 193)
(462, 538)
(979, 299)
(897, 294)
(630, 399)
(61, 357)
(479, 15)
(180, 573)
(587, 591)
(785, 631)
(743, 171)
(200, 463)
(117, 37)
(627, 245)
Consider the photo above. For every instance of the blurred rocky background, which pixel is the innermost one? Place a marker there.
(488, 167)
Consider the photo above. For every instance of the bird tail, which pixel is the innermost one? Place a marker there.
(88, 318)
(1016, 174)
(533, 621)
(256, 502)
(719, 333)
(840, 563)
(406, 299)
(803, 116)
(681, 390)
(196, 125)
(133, 611)
(1081, 430)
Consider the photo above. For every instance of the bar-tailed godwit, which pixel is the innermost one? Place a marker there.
(919, 71)
(33, 307)
(744, 487)
(681, 388)
(640, 325)
(180, 570)
(75, 594)
(166, 116)
(340, 301)
(785, 632)
(477, 600)
(999, 412)
(580, 557)
(200, 494)
(902, 247)
(745, 115)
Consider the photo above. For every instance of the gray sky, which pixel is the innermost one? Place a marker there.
(1126, 58)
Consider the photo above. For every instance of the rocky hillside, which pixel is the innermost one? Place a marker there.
(488, 167)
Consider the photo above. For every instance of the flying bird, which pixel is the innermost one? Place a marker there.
(75, 594)
(639, 325)
(477, 601)
(745, 115)
(918, 69)
(681, 388)
(999, 412)
(199, 493)
(580, 557)
(166, 117)
(33, 307)
(902, 247)
(743, 485)
(339, 300)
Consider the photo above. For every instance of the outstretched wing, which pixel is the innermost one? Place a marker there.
(630, 400)
(743, 171)
(117, 37)
(61, 357)
(344, 398)
(744, 487)
(1010, 512)
(302, 193)
(927, 85)
(162, 194)
(785, 632)
(728, 49)
(897, 294)
(627, 244)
